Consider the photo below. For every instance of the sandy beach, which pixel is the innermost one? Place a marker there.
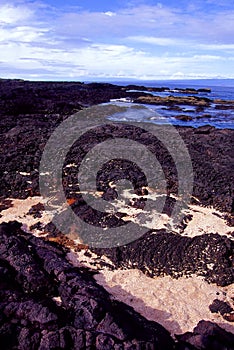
(177, 304)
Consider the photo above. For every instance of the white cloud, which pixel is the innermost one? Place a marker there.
(22, 34)
(150, 21)
(72, 44)
(11, 14)
(110, 14)
(217, 47)
(102, 60)
(160, 41)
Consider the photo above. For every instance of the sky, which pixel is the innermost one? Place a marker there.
(102, 40)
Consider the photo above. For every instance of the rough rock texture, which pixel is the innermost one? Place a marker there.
(219, 306)
(47, 303)
(161, 252)
(211, 152)
(170, 100)
(30, 111)
(209, 336)
(33, 272)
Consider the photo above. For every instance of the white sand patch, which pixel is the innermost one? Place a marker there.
(177, 304)
(92, 260)
(206, 220)
(150, 219)
(58, 300)
(20, 210)
(71, 165)
(23, 173)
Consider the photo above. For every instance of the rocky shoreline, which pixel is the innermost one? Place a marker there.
(48, 303)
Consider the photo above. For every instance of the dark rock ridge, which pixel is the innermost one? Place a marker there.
(225, 309)
(221, 307)
(211, 153)
(166, 89)
(171, 100)
(183, 117)
(164, 253)
(33, 272)
(25, 97)
(30, 111)
(47, 303)
(207, 336)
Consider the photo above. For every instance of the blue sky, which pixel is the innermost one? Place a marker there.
(142, 39)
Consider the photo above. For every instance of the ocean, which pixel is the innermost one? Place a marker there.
(213, 115)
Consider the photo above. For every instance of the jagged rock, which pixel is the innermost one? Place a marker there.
(168, 100)
(34, 272)
(36, 210)
(207, 90)
(5, 204)
(86, 317)
(22, 259)
(223, 308)
(183, 117)
(220, 306)
(207, 335)
(161, 252)
(24, 133)
(224, 106)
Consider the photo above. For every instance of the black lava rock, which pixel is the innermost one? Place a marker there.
(165, 253)
(47, 303)
(208, 336)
